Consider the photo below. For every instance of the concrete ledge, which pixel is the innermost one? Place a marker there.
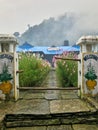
(25, 120)
(1, 121)
(92, 102)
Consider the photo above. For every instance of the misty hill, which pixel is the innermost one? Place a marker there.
(54, 31)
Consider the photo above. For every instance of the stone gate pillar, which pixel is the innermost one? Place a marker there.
(9, 81)
(88, 67)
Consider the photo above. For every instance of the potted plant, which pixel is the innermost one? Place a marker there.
(91, 77)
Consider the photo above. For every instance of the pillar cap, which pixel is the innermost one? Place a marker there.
(8, 38)
(91, 39)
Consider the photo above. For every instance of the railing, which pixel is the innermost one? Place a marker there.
(67, 58)
(43, 88)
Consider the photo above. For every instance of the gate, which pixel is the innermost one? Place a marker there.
(87, 68)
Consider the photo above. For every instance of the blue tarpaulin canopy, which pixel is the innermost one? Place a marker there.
(45, 49)
(18, 49)
(26, 46)
(76, 46)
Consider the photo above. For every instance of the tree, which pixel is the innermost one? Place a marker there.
(16, 34)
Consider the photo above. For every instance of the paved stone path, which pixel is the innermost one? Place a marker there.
(48, 102)
(60, 127)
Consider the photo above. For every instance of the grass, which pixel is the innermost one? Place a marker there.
(67, 71)
(34, 70)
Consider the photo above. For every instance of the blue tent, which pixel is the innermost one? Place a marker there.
(73, 49)
(18, 49)
(45, 49)
(76, 46)
(26, 46)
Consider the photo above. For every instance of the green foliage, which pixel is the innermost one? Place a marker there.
(90, 75)
(34, 70)
(67, 72)
(5, 76)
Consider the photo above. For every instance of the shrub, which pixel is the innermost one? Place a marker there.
(34, 70)
(67, 71)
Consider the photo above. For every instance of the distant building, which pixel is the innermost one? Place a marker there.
(66, 43)
(46, 52)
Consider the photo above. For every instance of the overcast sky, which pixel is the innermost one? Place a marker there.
(15, 15)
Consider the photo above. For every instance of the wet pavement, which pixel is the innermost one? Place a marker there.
(60, 127)
(48, 102)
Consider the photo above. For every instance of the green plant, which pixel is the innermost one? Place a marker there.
(34, 70)
(67, 71)
(5, 76)
(90, 75)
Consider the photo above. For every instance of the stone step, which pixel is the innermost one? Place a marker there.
(59, 127)
(28, 120)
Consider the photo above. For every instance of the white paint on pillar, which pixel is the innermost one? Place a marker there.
(11, 47)
(0, 48)
(16, 90)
